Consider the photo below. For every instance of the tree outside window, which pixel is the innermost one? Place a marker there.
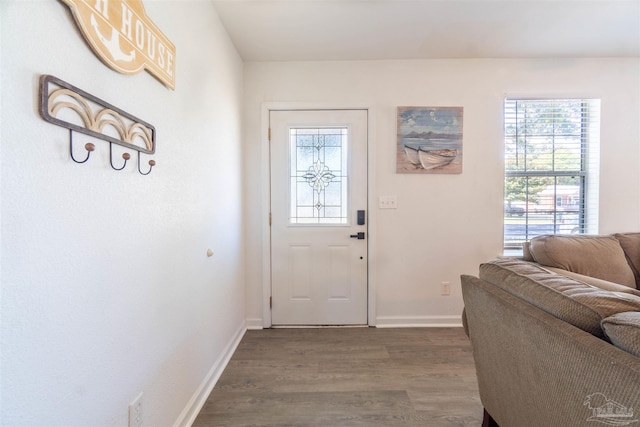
(546, 167)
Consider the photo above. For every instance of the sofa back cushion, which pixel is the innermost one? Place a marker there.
(577, 303)
(601, 257)
(623, 329)
(630, 243)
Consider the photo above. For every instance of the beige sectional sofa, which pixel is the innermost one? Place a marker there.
(556, 334)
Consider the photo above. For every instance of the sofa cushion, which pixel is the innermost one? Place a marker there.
(630, 243)
(526, 253)
(601, 257)
(602, 284)
(575, 302)
(623, 329)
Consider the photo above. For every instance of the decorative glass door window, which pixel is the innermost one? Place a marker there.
(318, 180)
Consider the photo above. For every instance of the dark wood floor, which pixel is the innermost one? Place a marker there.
(347, 377)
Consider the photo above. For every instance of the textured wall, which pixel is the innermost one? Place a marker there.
(106, 287)
(445, 225)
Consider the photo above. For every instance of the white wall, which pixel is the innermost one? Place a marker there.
(445, 225)
(106, 287)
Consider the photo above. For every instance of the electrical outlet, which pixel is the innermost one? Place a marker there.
(135, 412)
(388, 202)
(446, 288)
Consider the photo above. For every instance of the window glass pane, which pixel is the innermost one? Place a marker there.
(568, 153)
(546, 166)
(318, 184)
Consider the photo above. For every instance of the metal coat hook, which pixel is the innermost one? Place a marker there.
(152, 163)
(96, 118)
(88, 146)
(125, 156)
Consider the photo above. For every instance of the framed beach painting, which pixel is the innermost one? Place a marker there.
(429, 140)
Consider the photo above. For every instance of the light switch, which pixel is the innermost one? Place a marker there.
(388, 202)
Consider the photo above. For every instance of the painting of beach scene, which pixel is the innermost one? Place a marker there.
(429, 140)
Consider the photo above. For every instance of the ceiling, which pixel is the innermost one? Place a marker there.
(308, 30)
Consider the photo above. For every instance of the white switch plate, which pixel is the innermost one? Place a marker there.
(388, 202)
(446, 288)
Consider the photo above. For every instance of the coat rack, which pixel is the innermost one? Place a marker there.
(93, 116)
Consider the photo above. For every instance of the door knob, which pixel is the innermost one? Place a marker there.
(359, 236)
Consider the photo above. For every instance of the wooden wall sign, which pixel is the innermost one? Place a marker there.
(123, 36)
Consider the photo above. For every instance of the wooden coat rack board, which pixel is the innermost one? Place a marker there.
(65, 105)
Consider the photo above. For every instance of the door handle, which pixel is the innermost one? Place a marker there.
(359, 236)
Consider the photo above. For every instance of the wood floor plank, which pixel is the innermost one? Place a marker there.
(347, 377)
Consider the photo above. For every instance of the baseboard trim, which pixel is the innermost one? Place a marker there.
(419, 322)
(195, 404)
(254, 324)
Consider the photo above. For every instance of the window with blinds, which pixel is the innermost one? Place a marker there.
(551, 155)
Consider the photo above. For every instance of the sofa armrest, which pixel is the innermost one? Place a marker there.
(534, 369)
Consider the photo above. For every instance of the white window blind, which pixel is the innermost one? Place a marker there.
(551, 151)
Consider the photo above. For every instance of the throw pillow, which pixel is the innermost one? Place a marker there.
(623, 329)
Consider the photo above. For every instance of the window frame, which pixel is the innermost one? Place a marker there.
(588, 126)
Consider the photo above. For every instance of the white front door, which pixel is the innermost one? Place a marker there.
(318, 237)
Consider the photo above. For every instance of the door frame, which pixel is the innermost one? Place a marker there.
(266, 108)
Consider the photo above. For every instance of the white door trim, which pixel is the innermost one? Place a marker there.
(266, 200)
